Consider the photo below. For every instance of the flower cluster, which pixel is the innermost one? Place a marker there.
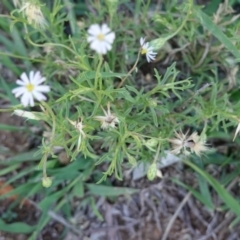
(184, 143)
(101, 39)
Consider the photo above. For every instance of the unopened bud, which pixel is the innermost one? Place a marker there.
(29, 115)
(46, 182)
(152, 172)
(152, 102)
(151, 142)
(131, 160)
(112, 6)
(158, 43)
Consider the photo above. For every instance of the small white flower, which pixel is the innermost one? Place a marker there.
(78, 125)
(31, 88)
(100, 38)
(180, 142)
(147, 50)
(199, 144)
(194, 142)
(109, 120)
(34, 14)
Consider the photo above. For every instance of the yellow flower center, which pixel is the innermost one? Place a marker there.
(100, 37)
(144, 51)
(29, 87)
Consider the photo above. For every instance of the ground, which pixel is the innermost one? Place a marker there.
(160, 210)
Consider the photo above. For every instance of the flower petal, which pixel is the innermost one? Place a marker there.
(20, 82)
(110, 37)
(42, 88)
(36, 77)
(31, 76)
(91, 39)
(25, 99)
(142, 40)
(18, 91)
(98, 46)
(94, 29)
(39, 96)
(105, 29)
(24, 77)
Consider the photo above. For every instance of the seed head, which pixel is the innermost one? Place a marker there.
(34, 15)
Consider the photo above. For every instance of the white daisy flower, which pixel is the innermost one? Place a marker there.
(100, 38)
(109, 120)
(31, 88)
(147, 50)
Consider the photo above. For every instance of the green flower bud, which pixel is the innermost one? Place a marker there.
(152, 171)
(46, 182)
(152, 102)
(131, 160)
(158, 43)
(112, 6)
(151, 142)
(30, 115)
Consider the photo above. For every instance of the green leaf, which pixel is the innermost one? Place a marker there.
(6, 127)
(17, 227)
(102, 190)
(23, 157)
(205, 192)
(206, 22)
(212, 6)
(232, 204)
(194, 192)
(78, 189)
(88, 75)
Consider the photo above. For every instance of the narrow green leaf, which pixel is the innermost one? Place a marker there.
(17, 227)
(206, 22)
(6, 127)
(205, 191)
(232, 204)
(23, 157)
(102, 190)
(194, 192)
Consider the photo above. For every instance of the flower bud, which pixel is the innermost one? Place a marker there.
(46, 182)
(151, 143)
(152, 102)
(112, 6)
(158, 43)
(152, 171)
(29, 115)
(131, 159)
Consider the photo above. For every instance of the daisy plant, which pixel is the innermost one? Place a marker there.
(95, 91)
